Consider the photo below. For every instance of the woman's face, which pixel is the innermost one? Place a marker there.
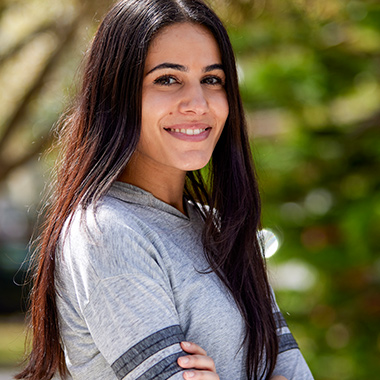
(184, 103)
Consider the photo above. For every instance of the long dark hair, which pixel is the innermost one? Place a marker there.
(98, 138)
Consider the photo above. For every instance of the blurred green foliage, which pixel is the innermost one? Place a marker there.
(11, 343)
(309, 73)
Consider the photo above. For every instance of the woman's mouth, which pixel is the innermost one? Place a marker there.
(190, 132)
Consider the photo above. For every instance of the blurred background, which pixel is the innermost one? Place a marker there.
(309, 73)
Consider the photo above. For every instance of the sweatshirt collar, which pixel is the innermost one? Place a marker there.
(133, 194)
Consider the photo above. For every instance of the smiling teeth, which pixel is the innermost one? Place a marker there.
(189, 132)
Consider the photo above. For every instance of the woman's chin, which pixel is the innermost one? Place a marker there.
(193, 161)
(195, 166)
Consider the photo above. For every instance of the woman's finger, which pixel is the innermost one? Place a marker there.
(193, 348)
(197, 362)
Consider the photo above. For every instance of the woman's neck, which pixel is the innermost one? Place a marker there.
(166, 184)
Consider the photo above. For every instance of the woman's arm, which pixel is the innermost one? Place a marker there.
(201, 365)
(290, 362)
(116, 308)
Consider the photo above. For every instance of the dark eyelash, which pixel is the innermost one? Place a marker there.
(163, 80)
(218, 80)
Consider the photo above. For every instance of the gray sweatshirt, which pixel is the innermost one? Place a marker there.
(132, 281)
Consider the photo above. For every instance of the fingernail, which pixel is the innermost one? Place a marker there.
(186, 344)
(189, 374)
(184, 359)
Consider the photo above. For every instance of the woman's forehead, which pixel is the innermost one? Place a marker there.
(183, 43)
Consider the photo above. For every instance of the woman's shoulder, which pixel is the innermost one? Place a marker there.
(109, 220)
(109, 239)
(127, 225)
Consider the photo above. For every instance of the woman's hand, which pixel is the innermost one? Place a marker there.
(202, 366)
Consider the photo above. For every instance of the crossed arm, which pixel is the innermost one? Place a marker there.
(202, 366)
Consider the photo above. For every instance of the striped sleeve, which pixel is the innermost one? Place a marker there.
(136, 328)
(128, 308)
(290, 362)
(131, 360)
(285, 337)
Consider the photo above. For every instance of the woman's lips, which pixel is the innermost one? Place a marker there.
(193, 133)
(190, 132)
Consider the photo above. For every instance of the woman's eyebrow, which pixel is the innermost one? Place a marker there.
(215, 66)
(168, 65)
(176, 66)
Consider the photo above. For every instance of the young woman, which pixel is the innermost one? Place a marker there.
(140, 253)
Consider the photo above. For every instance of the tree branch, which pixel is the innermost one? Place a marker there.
(21, 111)
(52, 26)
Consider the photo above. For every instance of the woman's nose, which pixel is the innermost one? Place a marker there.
(193, 100)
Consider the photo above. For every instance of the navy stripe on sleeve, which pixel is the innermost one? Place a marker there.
(164, 369)
(286, 342)
(280, 320)
(286, 339)
(146, 348)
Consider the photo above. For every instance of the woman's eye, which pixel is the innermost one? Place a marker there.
(166, 80)
(213, 80)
